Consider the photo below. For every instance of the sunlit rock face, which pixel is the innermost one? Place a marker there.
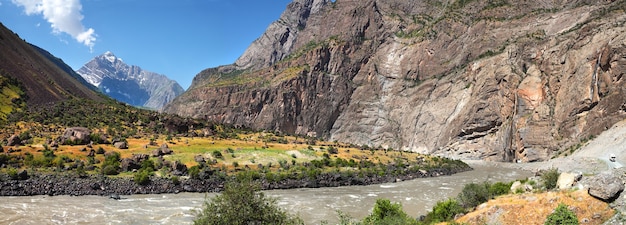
(502, 81)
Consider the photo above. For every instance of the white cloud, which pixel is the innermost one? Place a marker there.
(64, 16)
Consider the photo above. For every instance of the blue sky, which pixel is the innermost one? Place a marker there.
(178, 38)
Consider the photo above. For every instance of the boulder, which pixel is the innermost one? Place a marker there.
(199, 159)
(140, 157)
(161, 151)
(75, 135)
(22, 175)
(606, 186)
(166, 151)
(567, 180)
(178, 168)
(156, 153)
(121, 145)
(128, 164)
(14, 140)
(517, 185)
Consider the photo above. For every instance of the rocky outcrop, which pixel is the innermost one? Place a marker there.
(567, 180)
(161, 151)
(14, 140)
(605, 186)
(517, 81)
(75, 135)
(121, 145)
(280, 37)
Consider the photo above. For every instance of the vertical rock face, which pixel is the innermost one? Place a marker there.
(502, 81)
(129, 84)
(279, 38)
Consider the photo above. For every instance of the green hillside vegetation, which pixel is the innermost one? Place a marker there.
(11, 97)
(228, 152)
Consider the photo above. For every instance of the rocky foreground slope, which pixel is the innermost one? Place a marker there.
(498, 80)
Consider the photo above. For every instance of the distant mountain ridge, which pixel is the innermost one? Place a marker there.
(129, 83)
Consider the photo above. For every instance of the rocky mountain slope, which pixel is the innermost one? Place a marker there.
(42, 77)
(129, 83)
(498, 80)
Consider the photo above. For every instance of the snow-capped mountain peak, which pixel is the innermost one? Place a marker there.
(128, 83)
(108, 55)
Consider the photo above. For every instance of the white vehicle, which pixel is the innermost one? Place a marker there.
(612, 157)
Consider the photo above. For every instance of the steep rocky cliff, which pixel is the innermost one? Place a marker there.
(129, 83)
(498, 80)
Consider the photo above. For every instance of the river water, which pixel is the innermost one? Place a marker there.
(313, 205)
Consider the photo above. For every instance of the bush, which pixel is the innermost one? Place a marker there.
(194, 172)
(499, 188)
(142, 177)
(333, 150)
(111, 164)
(550, 177)
(148, 165)
(242, 203)
(12, 172)
(474, 194)
(217, 154)
(562, 216)
(444, 211)
(100, 150)
(48, 153)
(385, 212)
(175, 180)
(110, 170)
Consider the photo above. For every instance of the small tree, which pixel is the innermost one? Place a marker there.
(111, 164)
(385, 212)
(444, 211)
(474, 194)
(550, 178)
(562, 216)
(243, 203)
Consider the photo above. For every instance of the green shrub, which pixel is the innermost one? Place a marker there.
(110, 170)
(562, 216)
(242, 203)
(550, 177)
(194, 172)
(444, 211)
(148, 165)
(332, 150)
(12, 172)
(499, 188)
(217, 154)
(474, 194)
(175, 180)
(100, 150)
(142, 177)
(48, 153)
(385, 212)
(111, 164)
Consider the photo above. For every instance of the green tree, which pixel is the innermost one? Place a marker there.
(562, 216)
(444, 211)
(243, 203)
(474, 194)
(111, 164)
(550, 178)
(387, 213)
